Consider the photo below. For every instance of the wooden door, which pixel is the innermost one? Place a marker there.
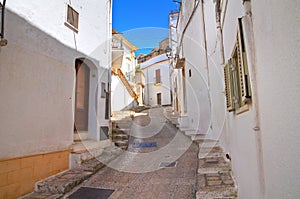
(158, 98)
(82, 96)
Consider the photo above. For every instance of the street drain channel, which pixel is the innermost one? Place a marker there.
(144, 144)
(167, 164)
(91, 193)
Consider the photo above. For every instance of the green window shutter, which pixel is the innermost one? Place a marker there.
(228, 88)
(244, 80)
(235, 91)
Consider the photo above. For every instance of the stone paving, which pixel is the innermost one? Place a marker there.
(160, 162)
(142, 176)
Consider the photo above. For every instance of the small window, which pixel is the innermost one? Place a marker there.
(236, 75)
(157, 76)
(190, 72)
(103, 91)
(72, 18)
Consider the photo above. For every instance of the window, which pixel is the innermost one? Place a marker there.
(157, 76)
(72, 18)
(236, 75)
(103, 91)
(190, 72)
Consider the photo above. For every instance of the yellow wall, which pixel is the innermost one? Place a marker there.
(18, 175)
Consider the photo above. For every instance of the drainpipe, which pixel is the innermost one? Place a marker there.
(256, 128)
(219, 29)
(206, 59)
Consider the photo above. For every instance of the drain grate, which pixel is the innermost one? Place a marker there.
(167, 164)
(91, 193)
(144, 144)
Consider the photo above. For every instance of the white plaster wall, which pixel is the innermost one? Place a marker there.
(120, 96)
(276, 32)
(151, 90)
(49, 17)
(235, 132)
(38, 74)
(37, 88)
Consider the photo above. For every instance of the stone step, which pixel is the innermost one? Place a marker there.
(216, 185)
(62, 182)
(120, 131)
(120, 137)
(123, 144)
(207, 143)
(213, 165)
(87, 150)
(210, 152)
(78, 136)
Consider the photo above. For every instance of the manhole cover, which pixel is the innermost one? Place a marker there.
(144, 144)
(91, 193)
(167, 164)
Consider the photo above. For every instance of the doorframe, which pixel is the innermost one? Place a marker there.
(78, 63)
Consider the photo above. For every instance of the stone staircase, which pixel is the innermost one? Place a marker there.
(121, 126)
(214, 176)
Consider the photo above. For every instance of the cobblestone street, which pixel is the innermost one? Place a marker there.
(139, 172)
(160, 162)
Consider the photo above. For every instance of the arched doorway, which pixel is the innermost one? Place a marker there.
(81, 96)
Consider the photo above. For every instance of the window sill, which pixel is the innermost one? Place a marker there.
(71, 27)
(242, 109)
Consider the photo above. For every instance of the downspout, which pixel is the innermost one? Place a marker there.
(219, 29)
(206, 58)
(256, 128)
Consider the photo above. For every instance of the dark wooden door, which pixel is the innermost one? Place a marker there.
(158, 98)
(82, 96)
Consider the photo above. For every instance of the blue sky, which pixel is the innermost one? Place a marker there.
(144, 23)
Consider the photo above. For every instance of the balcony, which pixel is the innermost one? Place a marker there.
(117, 53)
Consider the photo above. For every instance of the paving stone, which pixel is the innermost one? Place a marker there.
(206, 178)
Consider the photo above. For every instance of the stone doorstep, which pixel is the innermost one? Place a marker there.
(62, 182)
(78, 136)
(210, 155)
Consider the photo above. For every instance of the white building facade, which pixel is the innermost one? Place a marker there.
(125, 61)
(251, 110)
(157, 80)
(54, 81)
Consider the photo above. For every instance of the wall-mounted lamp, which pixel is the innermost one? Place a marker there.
(3, 42)
(168, 52)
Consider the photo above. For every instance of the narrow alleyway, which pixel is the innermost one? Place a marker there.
(160, 162)
(150, 167)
